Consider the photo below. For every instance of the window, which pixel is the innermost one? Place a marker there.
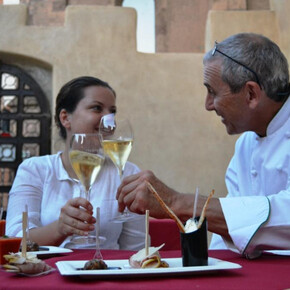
(24, 124)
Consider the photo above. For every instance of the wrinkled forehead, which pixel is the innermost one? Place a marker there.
(212, 70)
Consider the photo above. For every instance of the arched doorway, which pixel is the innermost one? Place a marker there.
(24, 124)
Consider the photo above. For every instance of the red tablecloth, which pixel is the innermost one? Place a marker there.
(164, 231)
(267, 272)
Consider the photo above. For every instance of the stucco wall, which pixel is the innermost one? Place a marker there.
(162, 94)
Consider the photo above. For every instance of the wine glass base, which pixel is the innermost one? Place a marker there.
(83, 242)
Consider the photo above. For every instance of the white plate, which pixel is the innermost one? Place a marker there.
(51, 251)
(279, 252)
(70, 268)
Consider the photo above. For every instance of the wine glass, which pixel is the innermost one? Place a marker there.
(86, 157)
(117, 140)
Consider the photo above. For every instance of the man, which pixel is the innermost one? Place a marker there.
(247, 82)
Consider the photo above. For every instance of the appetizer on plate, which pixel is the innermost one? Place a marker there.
(95, 264)
(27, 265)
(150, 260)
(31, 246)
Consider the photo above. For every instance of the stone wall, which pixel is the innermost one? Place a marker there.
(162, 93)
(180, 25)
(52, 12)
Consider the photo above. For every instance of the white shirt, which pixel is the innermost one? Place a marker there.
(257, 206)
(44, 185)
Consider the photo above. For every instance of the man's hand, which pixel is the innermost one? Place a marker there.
(134, 193)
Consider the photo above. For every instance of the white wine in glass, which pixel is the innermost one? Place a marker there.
(86, 157)
(87, 167)
(118, 151)
(117, 140)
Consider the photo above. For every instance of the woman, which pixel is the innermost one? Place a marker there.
(46, 183)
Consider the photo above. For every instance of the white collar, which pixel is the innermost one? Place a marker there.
(61, 173)
(280, 118)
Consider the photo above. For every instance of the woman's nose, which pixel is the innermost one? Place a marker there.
(106, 112)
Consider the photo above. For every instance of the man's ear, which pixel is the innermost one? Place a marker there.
(65, 118)
(254, 94)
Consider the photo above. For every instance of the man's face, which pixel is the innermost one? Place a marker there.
(232, 108)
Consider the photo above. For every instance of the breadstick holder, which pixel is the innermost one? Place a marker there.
(194, 246)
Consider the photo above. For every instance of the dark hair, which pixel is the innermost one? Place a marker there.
(260, 54)
(70, 95)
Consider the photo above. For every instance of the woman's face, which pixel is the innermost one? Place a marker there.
(97, 102)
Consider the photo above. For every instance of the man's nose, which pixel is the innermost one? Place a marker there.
(209, 104)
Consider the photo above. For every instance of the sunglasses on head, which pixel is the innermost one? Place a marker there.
(217, 50)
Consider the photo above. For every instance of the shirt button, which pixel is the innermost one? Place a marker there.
(254, 172)
(279, 168)
(287, 134)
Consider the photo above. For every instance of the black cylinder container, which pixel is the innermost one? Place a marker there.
(194, 246)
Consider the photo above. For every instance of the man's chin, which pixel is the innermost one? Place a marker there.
(231, 130)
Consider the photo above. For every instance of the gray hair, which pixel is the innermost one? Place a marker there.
(258, 54)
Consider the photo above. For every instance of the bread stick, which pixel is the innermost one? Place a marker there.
(204, 209)
(166, 208)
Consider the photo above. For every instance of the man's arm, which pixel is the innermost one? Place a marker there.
(134, 194)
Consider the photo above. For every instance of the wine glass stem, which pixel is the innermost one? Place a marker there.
(125, 213)
(120, 171)
(88, 194)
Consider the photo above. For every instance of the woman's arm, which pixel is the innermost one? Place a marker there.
(75, 218)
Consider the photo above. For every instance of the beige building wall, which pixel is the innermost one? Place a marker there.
(163, 94)
(180, 25)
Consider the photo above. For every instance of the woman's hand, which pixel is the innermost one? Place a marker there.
(134, 193)
(76, 218)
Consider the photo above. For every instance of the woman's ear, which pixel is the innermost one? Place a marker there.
(254, 94)
(64, 118)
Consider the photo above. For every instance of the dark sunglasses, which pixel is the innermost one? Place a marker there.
(217, 50)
